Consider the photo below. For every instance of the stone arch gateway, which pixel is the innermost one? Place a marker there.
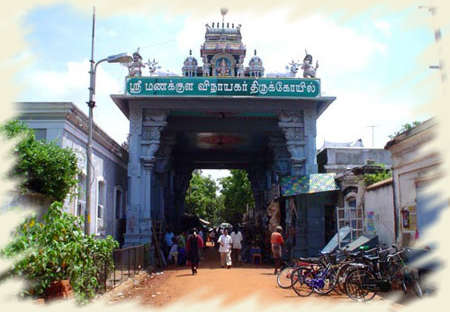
(264, 125)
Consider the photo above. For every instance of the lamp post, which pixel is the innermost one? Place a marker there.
(118, 58)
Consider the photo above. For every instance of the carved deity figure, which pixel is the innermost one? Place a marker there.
(223, 69)
(309, 71)
(152, 66)
(134, 68)
(293, 68)
(240, 67)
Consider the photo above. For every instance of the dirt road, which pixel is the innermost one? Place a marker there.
(233, 285)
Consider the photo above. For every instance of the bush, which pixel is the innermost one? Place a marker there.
(57, 249)
(45, 167)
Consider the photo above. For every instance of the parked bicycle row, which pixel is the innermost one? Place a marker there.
(360, 274)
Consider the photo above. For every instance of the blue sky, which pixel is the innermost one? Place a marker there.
(371, 61)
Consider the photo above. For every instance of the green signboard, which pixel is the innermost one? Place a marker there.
(216, 86)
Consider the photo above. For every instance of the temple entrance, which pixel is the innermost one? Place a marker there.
(221, 115)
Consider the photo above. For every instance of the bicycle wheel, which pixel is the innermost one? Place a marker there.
(340, 279)
(301, 282)
(354, 284)
(326, 281)
(284, 277)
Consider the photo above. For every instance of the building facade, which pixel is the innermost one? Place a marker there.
(65, 124)
(349, 161)
(414, 168)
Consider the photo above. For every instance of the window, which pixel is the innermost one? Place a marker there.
(81, 200)
(40, 134)
(118, 202)
(101, 197)
(353, 216)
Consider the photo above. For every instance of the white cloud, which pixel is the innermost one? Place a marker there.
(72, 85)
(277, 41)
(384, 27)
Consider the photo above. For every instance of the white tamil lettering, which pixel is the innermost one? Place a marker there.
(263, 88)
(279, 86)
(180, 87)
(254, 88)
(271, 87)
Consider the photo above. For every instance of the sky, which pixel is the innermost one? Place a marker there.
(375, 63)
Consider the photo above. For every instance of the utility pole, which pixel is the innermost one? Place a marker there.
(91, 104)
(373, 135)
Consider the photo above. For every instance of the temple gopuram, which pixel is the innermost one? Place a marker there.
(226, 114)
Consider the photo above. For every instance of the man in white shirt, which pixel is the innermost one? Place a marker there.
(236, 237)
(225, 244)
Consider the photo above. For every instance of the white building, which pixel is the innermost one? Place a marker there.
(414, 168)
(68, 126)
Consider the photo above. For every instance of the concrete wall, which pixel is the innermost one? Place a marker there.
(379, 213)
(414, 166)
(339, 159)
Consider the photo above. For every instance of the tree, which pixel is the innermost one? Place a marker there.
(201, 197)
(405, 127)
(237, 194)
(44, 167)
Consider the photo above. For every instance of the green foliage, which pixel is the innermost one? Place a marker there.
(237, 194)
(45, 168)
(405, 127)
(57, 249)
(371, 178)
(201, 198)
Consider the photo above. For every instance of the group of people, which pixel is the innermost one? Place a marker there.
(184, 247)
(189, 247)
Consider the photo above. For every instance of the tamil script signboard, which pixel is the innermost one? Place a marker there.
(215, 86)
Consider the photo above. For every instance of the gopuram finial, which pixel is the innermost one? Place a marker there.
(224, 12)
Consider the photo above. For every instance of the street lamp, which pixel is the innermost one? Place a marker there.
(118, 58)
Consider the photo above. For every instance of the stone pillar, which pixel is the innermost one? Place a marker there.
(294, 128)
(134, 176)
(281, 157)
(310, 117)
(144, 142)
(182, 177)
(163, 165)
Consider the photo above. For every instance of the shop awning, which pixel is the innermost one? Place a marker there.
(313, 183)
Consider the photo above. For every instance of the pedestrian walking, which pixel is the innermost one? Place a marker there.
(277, 242)
(193, 245)
(236, 237)
(225, 245)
